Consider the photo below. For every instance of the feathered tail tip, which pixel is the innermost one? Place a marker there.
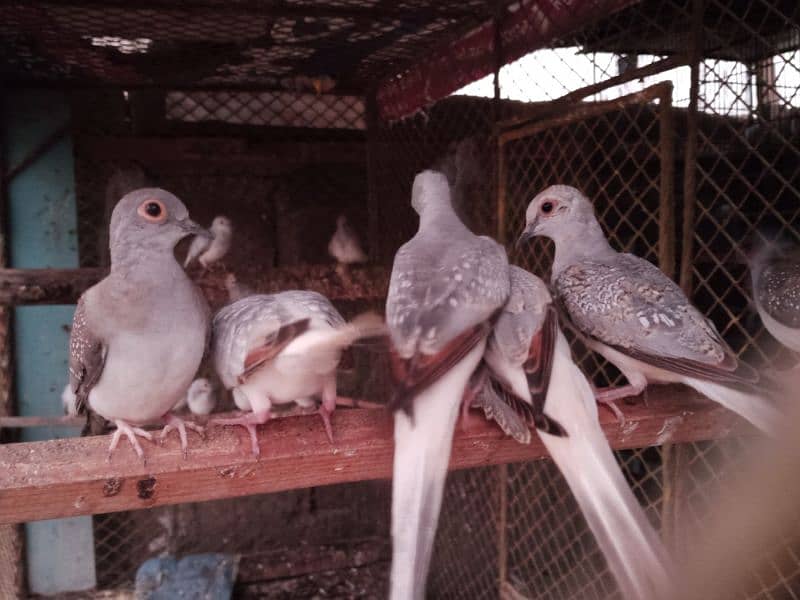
(763, 411)
(366, 325)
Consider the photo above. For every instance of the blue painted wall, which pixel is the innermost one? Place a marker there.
(43, 233)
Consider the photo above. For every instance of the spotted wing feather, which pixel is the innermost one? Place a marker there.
(87, 355)
(778, 291)
(633, 307)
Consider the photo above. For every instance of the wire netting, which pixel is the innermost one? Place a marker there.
(681, 169)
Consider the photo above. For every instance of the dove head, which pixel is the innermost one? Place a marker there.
(560, 213)
(430, 193)
(149, 220)
(221, 224)
(200, 387)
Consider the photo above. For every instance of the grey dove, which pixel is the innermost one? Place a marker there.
(775, 277)
(208, 251)
(446, 286)
(344, 245)
(531, 372)
(138, 336)
(636, 317)
(275, 349)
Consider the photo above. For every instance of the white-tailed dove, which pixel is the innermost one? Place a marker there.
(775, 276)
(138, 336)
(274, 349)
(531, 372)
(200, 399)
(636, 317)
(208, 251)
(446, 286)
(344, 245)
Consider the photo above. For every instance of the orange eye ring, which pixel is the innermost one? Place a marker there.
(153, 210)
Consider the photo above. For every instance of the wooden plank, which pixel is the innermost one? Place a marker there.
(66, 477)
(64, 286)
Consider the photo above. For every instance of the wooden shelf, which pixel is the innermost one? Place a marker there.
(59, 478)
(64, 286)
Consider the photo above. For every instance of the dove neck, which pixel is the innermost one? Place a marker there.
(439, 216)
(578, 244)
(137, 262)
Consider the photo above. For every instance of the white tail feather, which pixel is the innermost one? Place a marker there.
(759, 411)
(421, 456)
(629, 543)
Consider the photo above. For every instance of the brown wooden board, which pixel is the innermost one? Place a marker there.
(68, 477)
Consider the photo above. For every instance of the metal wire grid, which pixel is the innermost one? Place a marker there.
(238, 44)
(249, 527)
(748, 151)
(277, 109)
(547, 550)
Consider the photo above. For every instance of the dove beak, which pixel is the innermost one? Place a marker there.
(527, 234)
(191, 228)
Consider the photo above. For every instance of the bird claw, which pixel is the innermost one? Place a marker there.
(249, 421)
(129, 432)
(178, 424)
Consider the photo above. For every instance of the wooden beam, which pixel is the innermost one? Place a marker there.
(64, 286)
(68, 477)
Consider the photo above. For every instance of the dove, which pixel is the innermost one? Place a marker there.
(344, 245)
(775, 277)
(138, 336)
(636, 317)
(446, 286)
(531, 373)
(208, 251)
(201, 398)
(274, 349)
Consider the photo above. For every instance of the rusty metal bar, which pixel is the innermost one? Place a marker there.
(586, 111)
(666, 207)
(690, 152)
(542, 111)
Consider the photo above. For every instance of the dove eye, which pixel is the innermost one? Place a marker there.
(153, 211)
(547, 208)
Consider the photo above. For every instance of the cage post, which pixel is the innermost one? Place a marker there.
(675, 457)
(10, 535)
(666, 209)
(373, 221)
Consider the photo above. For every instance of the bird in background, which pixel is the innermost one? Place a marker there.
(636, 317)
(531, 372)
(345, 247)
(138, 336)
(201, 398)
(775, 278)
(276, 349)
(446, 286)
(209, 251)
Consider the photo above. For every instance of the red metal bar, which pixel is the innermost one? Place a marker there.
(526, 26)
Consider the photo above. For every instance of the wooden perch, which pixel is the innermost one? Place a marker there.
(67, 477)
(64, 286)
